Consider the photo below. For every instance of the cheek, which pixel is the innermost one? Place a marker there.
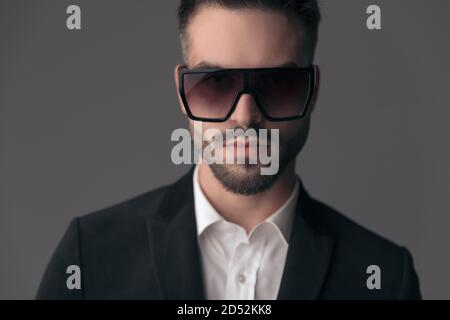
(205, 130)
(289, 129)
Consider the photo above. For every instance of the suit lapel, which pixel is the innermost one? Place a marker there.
(308, 256)
(175, 252)
(174, 246)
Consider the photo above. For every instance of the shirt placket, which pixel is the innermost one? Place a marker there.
(243, 268)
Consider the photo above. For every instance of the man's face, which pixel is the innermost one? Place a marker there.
(248, 38)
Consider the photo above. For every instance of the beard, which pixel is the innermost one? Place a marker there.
(246, 179)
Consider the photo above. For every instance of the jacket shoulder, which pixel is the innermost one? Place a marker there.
(125, 212)
(357, 252)
(326, 219)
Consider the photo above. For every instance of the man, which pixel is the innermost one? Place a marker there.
(224, 230)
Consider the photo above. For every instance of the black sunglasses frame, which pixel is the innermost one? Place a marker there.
(182, 70)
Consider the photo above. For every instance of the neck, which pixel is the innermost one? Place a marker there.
(257, 207)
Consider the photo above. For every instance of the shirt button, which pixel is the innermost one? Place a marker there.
(241, 278)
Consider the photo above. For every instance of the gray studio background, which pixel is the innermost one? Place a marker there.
(86, 118)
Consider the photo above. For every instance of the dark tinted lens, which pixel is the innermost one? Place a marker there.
(211, 94)
(282, 93)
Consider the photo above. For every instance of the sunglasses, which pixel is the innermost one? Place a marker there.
(280, 94)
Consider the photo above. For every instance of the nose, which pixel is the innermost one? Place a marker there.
(246, 112)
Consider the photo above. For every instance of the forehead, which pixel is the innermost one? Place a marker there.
(243, 38)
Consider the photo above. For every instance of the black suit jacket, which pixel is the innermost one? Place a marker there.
(146, 248)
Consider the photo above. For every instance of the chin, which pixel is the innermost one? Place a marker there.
(243, 169)
(244, 179)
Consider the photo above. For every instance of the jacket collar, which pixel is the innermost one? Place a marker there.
(206, 215)
(174, 247)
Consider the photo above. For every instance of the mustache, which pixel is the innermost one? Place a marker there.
(255, 135)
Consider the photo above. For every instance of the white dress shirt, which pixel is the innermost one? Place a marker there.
(237, 266)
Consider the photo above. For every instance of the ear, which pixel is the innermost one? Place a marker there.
(316, 87)
(175, 76)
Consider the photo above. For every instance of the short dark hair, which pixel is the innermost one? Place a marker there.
(306, 11)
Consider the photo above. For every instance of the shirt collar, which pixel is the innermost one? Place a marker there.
(283, 218)
(206, 215)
